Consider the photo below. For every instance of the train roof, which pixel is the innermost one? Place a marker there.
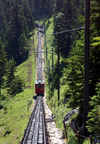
(39, 82)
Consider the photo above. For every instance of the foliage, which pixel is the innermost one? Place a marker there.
(74, 74)
(95, 18)
(16, 23)
(43, 7)
(94, 114)
(70, 15)
(15, 20)
(13, 84)
(15, 112)
(94, 65)
(2, 65)
(67, 15)
(23, 47)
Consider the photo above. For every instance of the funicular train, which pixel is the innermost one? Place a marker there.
(39, 87)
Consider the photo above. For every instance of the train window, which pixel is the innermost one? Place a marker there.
(39, 86)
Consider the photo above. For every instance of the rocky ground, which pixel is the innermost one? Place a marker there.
(54, 134)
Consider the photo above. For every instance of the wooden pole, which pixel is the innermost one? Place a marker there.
(78, 137)
(65, 129)
(52, 73)
(90, 139)
(86, 68)
(58, 68)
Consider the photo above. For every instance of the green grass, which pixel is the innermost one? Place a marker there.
(72, 139)
(39, 21)
(34, 38)
(14, 115)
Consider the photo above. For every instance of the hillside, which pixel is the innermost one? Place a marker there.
(15, 111)
(52, 98)
(72, 66)
(64, 63)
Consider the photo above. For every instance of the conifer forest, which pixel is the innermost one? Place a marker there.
(18, 25)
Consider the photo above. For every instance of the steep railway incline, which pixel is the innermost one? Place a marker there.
(41, 128)
(39, 65)
(35, 132)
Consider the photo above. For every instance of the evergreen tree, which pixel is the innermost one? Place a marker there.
(59, 5)
(74, 73)
(15, 19)
(23, 47)
(68, 18)
(13, 83)
(18, 26)
(94, 114)
(95, 47)
(43, 7)
(10, 72)
(2, 65)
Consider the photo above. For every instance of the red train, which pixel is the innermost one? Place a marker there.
(39, 87)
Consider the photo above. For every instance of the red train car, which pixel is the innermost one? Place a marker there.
(39, 87)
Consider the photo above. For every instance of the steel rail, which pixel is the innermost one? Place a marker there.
(35, 132)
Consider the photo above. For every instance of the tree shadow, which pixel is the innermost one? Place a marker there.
(35, 97)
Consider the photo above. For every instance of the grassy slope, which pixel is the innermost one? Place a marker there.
(16, 111)
(61, 111)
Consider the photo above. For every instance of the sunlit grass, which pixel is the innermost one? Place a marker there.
(14, 117)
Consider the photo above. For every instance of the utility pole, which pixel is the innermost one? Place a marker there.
(45, 38)
(0, 88)
(86, 69)
(58, 67)
(49, 72)
(52, 73)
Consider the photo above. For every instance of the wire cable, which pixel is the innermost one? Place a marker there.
(80, 28)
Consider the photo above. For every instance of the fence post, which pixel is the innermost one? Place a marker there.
(78, 137)
(90, 139)
(65, 129)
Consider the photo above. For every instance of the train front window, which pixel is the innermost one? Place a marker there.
(39, 86)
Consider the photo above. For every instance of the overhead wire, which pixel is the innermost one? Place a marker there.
(75, 29)
(80, 28)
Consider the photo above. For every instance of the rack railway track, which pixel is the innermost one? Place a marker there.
(35, 132)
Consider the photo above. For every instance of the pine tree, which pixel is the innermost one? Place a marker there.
(2, 65)
(13, 83)
(23, 47)
(94, 51)
(18, 26)
(74, 73)
(94, 114)
(68, 18)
